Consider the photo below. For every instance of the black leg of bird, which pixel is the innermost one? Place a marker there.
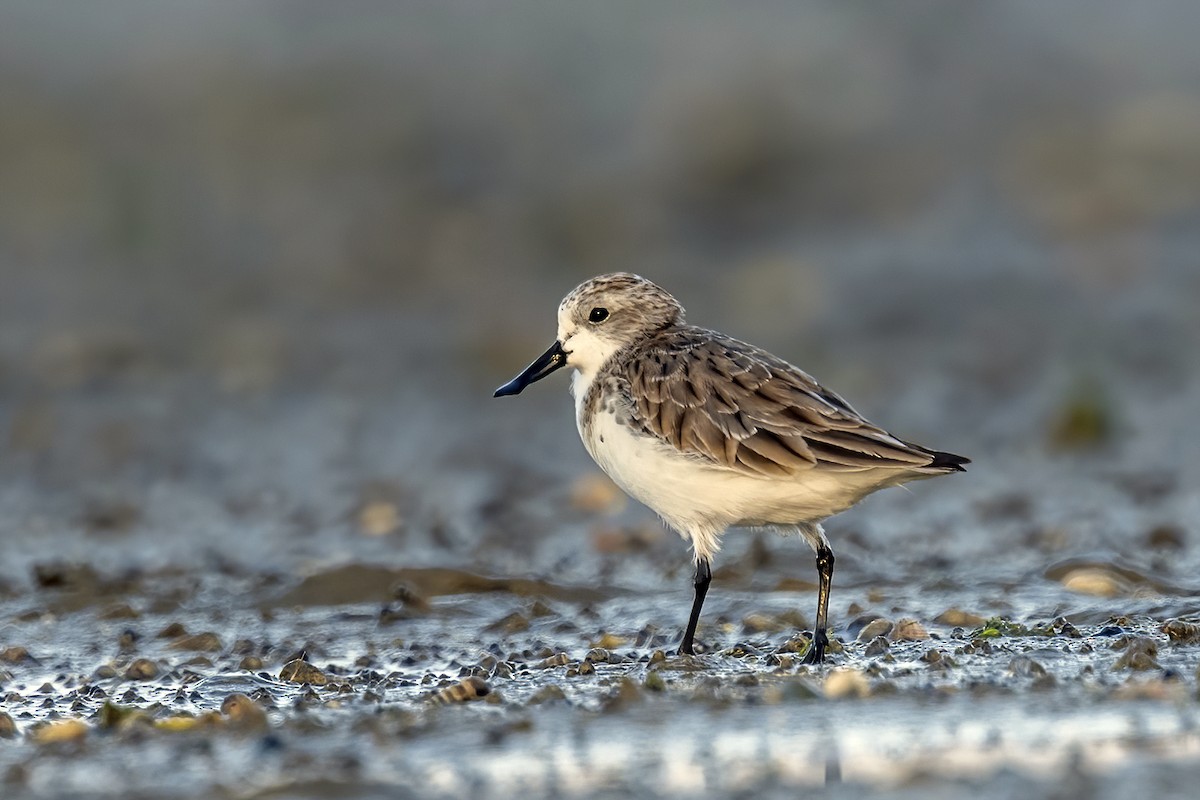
(816, 652)
(700, 581)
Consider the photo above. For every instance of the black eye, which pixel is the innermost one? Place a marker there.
(598, 315)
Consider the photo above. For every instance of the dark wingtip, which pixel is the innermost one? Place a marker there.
(948, 462)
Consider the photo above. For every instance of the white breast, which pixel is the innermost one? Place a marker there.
(700, 500)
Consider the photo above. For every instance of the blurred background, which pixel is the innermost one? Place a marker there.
(262, 264)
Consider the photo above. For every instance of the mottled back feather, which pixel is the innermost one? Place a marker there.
(739, 407)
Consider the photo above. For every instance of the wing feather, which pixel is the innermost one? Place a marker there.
(739, 407)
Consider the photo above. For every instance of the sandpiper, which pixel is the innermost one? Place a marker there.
(711, 432)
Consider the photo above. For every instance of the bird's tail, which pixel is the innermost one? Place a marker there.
(946, 462)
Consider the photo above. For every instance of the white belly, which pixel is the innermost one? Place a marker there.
(700, 501)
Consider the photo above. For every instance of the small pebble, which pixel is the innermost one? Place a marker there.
(473, 669)
(1096, 582)
(547, 694)
(60, 732)
(182, 722)
(742, 650)
(1166, 537)
(15, 655)
(379, 518)
(1069, 630)
(954, 617)
(594, 493)
(877, 646)
(244, 712)
(1025, 667)
(1158, 690)
(874, 629)
(1181, 631)
(609, 641)
(760, 623)
(113, 715)
(597, 655)
(510, 624)
(172, 631)
(465, 690)
(539, 609)
(200, 642)
(846, 683)
(796, 644)
(626, 693)
(800, 689)
(119, 611)
(908, 630)
(1140, 655)
(556, 660)
(141, 669)
(243, 647)
(203, 662)
(298, 671)
(782, 661)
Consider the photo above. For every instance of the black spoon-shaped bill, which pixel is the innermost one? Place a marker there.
(547, 362)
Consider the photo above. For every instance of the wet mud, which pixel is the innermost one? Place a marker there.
(299, 595)
(361, 680)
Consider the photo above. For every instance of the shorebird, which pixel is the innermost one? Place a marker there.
(711, 432)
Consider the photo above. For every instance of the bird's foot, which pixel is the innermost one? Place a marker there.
(816, 650)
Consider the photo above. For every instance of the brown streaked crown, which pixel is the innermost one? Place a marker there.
(636, 307)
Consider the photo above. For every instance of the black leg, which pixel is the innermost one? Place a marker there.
(816, 652)
(701, 581)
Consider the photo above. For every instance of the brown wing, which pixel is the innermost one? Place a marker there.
(742, 408)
